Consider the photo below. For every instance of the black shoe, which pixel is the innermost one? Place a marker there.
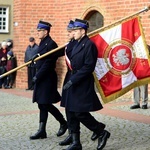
(6, 87)
(101, 127)
(74, 147)
(144, 106)
(39, 135)
(76, 144)
(67, 141)
(62, 129)
(10, 87)
(94, 136)
(102, 140)
(135, 106)
(31, 89)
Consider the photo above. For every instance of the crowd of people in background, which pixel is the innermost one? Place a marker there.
(7, 63)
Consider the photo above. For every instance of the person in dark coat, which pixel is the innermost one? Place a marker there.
(31, 50)
(78, 96)
(67, 52)
(3, 63)
(45, 88)
(9, 44)
(11, 64)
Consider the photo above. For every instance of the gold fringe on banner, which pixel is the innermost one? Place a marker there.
(137, 83)
(121, 92)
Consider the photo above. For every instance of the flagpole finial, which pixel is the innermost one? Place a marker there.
(147, 8)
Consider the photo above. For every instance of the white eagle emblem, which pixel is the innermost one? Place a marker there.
(121, 57)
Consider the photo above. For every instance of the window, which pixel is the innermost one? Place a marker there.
(4, 18)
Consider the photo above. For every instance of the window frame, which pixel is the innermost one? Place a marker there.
(6, 16)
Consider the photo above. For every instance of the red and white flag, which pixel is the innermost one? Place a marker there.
(122, 62)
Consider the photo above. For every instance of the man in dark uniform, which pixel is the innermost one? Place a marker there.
(31, 50)
(67, 52)
(45, 88)
(78, 96)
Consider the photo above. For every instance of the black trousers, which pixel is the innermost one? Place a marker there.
(11, 79)
(31, 73)
(74, 119)
(3, 81)
(45, 108)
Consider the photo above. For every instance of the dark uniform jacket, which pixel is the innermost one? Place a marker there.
(81, 96)
(68, 51)
(45, 89)
(3, 63)
(3, 54)
(29, 53)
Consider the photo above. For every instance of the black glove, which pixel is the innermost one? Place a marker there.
(34, 80)
(67, 85)
(34, 57)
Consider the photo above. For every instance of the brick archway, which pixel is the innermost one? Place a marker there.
(95, 20)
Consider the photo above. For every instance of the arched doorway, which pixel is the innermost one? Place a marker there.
(95, 20)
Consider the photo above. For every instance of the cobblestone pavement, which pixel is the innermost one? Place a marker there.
(130, 129)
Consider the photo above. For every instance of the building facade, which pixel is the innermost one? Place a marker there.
(6, 19)
(26, 15)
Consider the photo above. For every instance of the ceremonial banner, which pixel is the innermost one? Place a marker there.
(123, 59)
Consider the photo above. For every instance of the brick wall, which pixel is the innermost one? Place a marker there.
(58, 13)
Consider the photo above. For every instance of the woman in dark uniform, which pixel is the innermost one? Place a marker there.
(45, 88)
(79, 97)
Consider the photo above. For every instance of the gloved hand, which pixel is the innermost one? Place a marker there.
(34, 80)
(67, 85)
(34, 57)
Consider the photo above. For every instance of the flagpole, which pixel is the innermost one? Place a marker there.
(29, 62)
(89, 34)
(118, 21)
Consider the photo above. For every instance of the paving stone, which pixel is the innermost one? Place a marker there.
(19, 119)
